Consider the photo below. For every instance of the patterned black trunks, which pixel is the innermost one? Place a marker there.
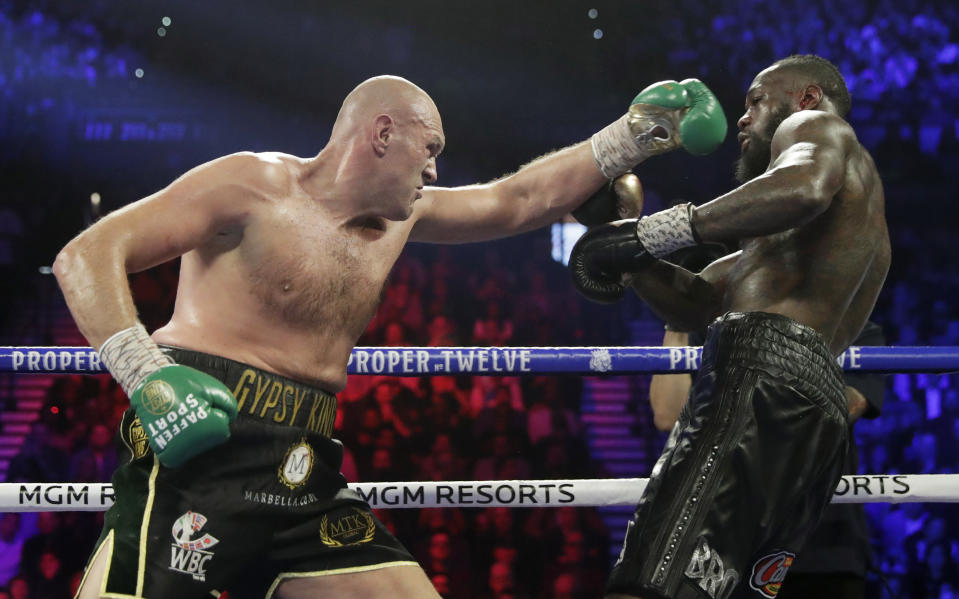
(267, 505)
(747, 470)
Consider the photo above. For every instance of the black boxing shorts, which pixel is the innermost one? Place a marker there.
(267, 505)
(747, 471)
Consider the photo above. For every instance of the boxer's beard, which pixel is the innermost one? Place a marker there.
(755, 158)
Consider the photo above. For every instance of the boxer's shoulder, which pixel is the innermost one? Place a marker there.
(815, 126)
(231, 193)
(271, 175)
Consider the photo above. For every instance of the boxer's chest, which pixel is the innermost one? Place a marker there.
(313, 272)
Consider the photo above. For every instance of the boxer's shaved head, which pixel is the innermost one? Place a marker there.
(402, 100)
(386, 137)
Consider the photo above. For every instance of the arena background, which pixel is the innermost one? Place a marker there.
(104, 102)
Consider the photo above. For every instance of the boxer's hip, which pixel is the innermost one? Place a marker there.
(787, 351)
(747, 470)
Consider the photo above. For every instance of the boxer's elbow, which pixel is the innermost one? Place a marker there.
(67, 260)
(69, 268)
(79, 258)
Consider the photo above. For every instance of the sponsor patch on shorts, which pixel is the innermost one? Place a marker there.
(297, 464)
(707, 569)
(189, 553)
(352, 526)
(769, 572)
(133, 436)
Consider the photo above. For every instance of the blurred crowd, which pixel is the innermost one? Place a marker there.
(900, 59)
(41, 48)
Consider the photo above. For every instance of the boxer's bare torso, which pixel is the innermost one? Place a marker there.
(809, 220)
(291, 286)
(825, 274)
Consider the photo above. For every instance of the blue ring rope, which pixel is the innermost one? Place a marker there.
(510, 361)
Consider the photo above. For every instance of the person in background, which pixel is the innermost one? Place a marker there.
(12, 538)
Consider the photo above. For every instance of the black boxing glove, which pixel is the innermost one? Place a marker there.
(601, 257)
(621, 198)
(604, 254)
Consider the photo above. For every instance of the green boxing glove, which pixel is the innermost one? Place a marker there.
(663, 117)
(688, 111)
(184, 412)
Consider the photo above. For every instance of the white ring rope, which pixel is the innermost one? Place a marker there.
(873, 488)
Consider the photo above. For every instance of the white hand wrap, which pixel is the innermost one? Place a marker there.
(666, 231)
(130, 355)
(615, 149)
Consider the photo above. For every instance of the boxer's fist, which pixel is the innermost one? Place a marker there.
(620, 198)
(601, 257)
(663, 117)
(184, 412)
(668, 115)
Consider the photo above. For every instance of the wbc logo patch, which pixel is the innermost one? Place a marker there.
(769, 572)
(190, 550)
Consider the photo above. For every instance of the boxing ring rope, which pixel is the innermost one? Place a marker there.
(875, 488)
(506, 361)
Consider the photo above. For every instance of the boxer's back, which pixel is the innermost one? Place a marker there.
(828, 272)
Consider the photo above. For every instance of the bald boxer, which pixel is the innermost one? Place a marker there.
(759, 445)
(229, 477)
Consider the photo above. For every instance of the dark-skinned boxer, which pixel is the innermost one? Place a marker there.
(758, 447)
